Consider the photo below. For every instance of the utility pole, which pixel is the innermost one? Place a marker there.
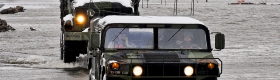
(147, 3)
(175, 7)
(192, 7)
(142, 3)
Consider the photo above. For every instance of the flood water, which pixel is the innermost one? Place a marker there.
(252, 39)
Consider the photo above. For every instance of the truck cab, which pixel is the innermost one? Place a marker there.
(75, 18)
(152, 47)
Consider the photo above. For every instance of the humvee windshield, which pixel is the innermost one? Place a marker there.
(144, 38)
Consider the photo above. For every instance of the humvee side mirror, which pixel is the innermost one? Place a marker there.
(219, 41)
(94, 40)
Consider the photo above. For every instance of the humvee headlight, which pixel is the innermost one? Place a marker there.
(115, 66)
(188, 71)
(211, 66)
(137, 70)
(80, 19)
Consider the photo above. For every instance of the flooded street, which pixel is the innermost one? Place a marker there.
(252, 39)
(23, 73)
(34, 55)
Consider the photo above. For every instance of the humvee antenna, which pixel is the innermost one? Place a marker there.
(96, 7)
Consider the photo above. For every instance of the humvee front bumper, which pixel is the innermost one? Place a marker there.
(202, 68)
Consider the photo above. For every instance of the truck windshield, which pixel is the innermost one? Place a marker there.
(181, 38)
(129, 38)
(143, 38)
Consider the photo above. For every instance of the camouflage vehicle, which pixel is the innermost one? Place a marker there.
(152, 47)
(73, 41)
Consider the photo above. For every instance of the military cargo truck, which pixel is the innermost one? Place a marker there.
(75, 18)
(152, 47)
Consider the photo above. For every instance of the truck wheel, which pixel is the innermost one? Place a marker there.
(61, 46)
(68, 57)
(61, 53)
(77, 54)
(89, 64)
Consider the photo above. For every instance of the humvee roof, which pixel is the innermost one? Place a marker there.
(148, 20)
(126, 3)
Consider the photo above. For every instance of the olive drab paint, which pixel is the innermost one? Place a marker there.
(155, 62)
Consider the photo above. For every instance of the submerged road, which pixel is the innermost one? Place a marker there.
(34, 55)
(252, 40)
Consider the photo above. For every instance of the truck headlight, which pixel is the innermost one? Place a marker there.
(80, 19)
(188, 71)
(137, 70)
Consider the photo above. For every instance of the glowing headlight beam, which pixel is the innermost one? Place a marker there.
(137, 70)
(188, 71)
(80, 19)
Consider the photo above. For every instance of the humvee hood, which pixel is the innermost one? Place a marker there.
(158, 56)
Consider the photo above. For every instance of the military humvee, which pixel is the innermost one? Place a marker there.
(152, 47)
(73, 41)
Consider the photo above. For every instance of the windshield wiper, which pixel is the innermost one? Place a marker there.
(118, 35)
(175, 33)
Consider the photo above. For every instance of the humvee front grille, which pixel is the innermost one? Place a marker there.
(158, 69)
(161, 58)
